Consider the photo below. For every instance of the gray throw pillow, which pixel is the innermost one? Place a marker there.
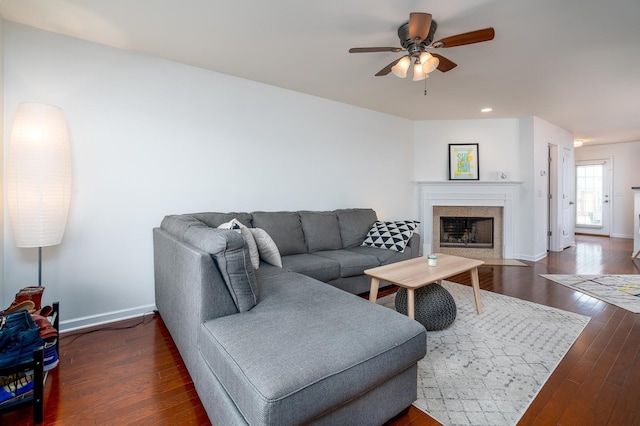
(231, 255)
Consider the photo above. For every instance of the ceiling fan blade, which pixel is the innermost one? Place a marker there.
(386, 70)
(374, 49)
(477, 36)
(419, 25)
(445, 64)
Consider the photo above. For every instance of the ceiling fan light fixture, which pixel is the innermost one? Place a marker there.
(418, 73)
(429, 63)
(400, 69)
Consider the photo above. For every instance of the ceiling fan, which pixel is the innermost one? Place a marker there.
(416, 37)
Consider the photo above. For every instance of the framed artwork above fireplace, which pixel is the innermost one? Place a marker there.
(463, 161)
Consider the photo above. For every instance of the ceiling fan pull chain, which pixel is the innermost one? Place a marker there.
(425, 87)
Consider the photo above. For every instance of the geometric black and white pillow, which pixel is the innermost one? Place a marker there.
(390, 235)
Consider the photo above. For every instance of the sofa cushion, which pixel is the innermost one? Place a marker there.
(284, 228)
(321, 230)
(351, 263)
(356, 346)
(317, 267)
(267, 270)
(390, 235)
(231, 255)
(385, 257)
(267, 248)
(354, 225)
(358, 284)
(216, 219)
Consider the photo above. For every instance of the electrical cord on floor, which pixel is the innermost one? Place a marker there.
(76, 336)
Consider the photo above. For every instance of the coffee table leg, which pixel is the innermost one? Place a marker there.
(410, 303)
(373, 293)
(475, 281)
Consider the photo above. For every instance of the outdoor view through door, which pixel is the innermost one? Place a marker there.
(592, 196)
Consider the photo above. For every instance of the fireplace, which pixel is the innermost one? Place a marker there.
(467, 232)
(469, 199)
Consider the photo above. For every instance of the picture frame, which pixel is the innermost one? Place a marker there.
(464, 161)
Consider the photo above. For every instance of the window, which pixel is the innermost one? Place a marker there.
(589, 194)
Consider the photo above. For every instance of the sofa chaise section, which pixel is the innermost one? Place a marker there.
(306, 352)
(290, 351)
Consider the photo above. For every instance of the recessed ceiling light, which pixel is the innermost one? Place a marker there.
(577, 143)
(486, 110)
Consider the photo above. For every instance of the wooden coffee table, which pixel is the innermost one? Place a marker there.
(415, 273)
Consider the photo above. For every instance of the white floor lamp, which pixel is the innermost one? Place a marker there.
(38, 177)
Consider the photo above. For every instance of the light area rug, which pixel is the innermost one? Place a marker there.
(487, 369)
(620, 290)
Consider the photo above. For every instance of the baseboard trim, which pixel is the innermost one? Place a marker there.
(535, 258)
(104, 318)
(626, 236)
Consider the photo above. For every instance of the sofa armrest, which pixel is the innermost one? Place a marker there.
(415, 245)
(189, 290)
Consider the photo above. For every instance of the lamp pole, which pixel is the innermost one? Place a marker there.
(40, 266)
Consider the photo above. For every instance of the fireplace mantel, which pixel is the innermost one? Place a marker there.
(468, 182)
(468, 193)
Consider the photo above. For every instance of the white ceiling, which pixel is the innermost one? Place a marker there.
(574, 63)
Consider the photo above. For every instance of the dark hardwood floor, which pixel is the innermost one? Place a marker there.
(135, 375)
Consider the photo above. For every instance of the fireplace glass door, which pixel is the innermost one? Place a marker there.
(468, 232)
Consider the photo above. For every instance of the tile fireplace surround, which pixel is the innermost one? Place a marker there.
(483, 196)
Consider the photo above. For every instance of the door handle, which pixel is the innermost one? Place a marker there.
(571, 203)
(606, 201)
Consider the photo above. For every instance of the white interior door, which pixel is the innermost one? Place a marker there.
(554, 218)
(593, 189)
(568, 198)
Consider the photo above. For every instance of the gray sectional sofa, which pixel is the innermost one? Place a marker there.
(325, 245)
(273, 345)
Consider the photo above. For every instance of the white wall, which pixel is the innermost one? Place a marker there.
(525, 237)
(3, 302)
(498, 147)
(151, 137)
(537, 184)
(517, 146)
(625, 175)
